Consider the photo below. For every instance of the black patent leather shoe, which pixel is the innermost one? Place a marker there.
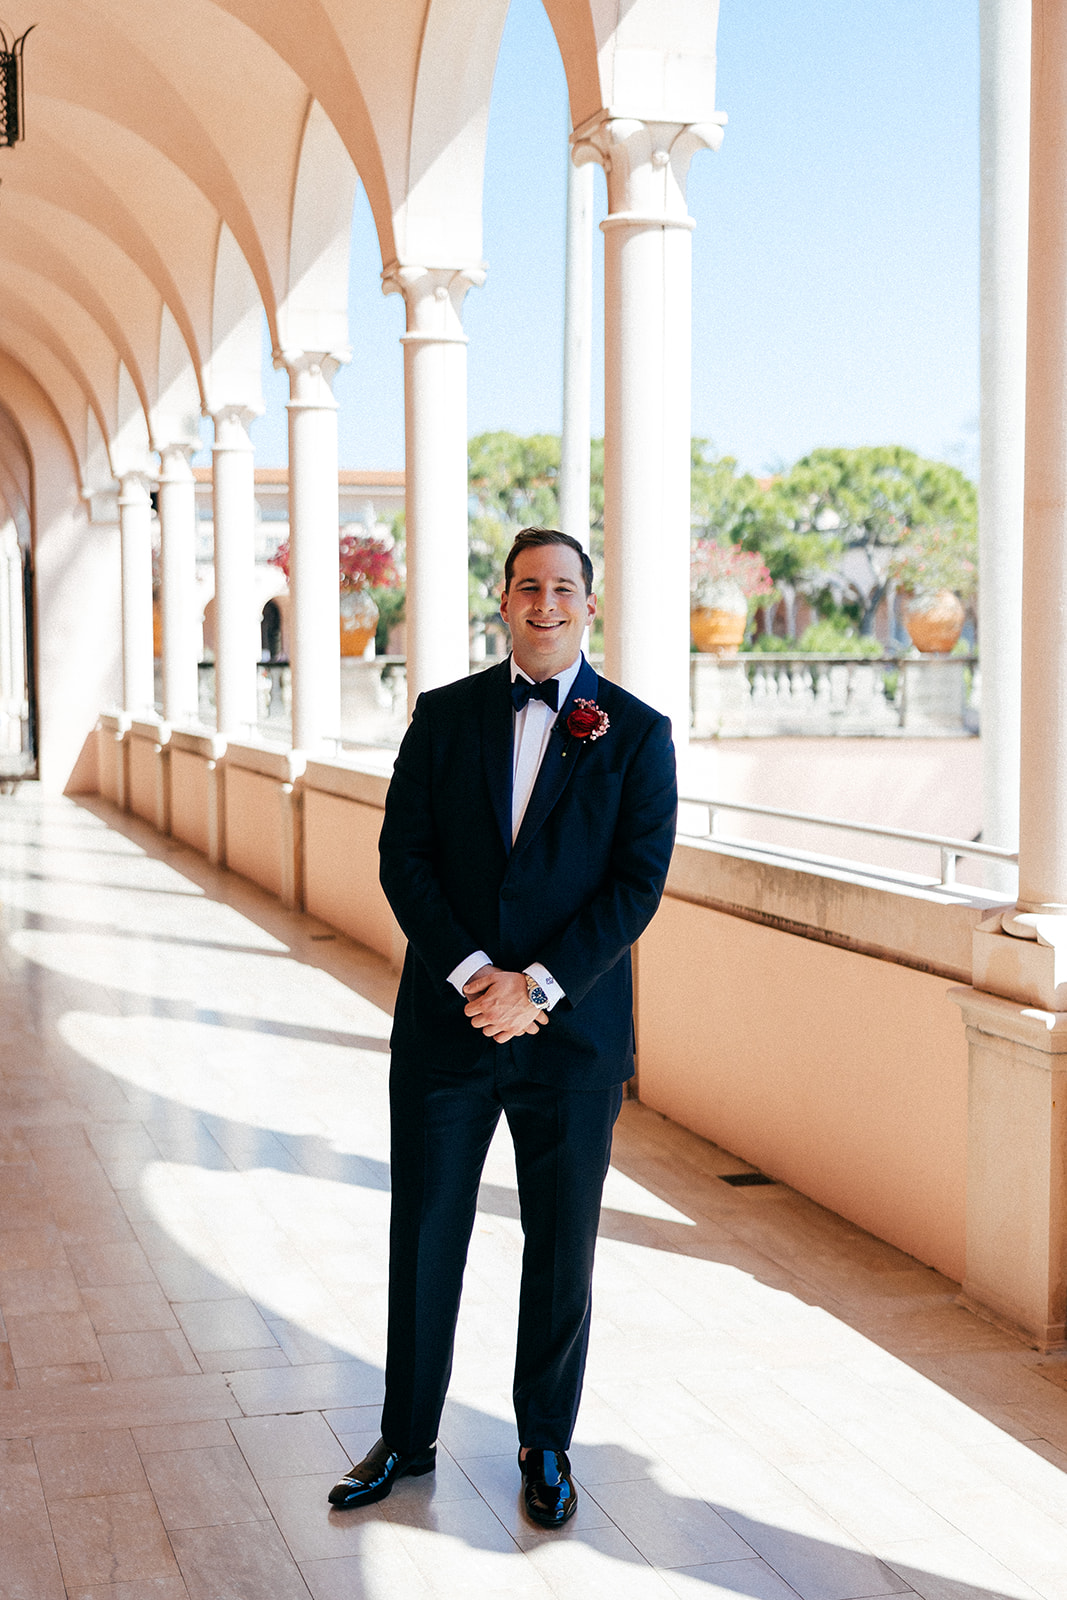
(372, 1478)
(548, 1490)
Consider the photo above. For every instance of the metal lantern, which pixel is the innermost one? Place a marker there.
(11, 107)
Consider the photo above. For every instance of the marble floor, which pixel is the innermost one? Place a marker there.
(193, 1209)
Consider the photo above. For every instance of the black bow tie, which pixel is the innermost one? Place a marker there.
(522, 691)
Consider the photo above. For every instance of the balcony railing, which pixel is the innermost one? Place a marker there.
(747, 696)
(373, 700)
(757, 695)
(701, 818)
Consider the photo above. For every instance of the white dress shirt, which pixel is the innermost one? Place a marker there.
(531, 730)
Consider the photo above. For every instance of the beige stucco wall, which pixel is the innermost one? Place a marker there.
(841, 1074)
(109, 759)
(341, 869)
(144, 759)
(76, 590)
(254, 833)
(190, 798)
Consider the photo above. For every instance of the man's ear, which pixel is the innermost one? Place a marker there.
(504, 604)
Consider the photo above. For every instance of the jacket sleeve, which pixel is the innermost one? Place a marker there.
(626, 901)
(407, 851)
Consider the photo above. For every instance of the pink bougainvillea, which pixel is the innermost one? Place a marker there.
(363, 562)
(714, 564)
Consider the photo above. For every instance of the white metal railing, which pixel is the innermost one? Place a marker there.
(950, 851)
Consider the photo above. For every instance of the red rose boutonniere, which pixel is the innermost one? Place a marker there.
(586, 721)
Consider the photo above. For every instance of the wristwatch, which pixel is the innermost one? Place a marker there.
(534, 991)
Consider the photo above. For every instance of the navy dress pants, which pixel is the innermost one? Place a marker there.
(442, 1125)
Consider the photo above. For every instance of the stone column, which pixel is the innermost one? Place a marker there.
(1005, 157)
(236, 619)
(647, 380)
(1043, 797)
(577, 355)
(177, 527)
(135, 532)
(1017, 1010)
(314, 617)
(435, 422)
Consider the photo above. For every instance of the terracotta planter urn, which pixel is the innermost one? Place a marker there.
(359, 620)
(935, 621)
(717, 626)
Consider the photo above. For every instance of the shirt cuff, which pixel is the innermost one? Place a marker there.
(466, 969)
(547, 982)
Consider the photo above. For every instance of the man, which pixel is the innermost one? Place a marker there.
(527, 834)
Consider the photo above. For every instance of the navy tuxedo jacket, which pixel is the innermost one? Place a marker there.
(581, 882)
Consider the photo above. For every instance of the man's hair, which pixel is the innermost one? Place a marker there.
(533, 538)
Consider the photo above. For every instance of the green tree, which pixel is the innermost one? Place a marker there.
(513, 485)
(515, 479)
(724, 503)
(761, 516)
(868, 501)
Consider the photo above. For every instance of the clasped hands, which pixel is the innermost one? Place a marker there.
(499, 1005)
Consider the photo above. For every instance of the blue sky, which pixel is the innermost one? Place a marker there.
(835, 258)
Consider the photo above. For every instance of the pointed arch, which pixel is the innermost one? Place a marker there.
(103, 281)
(66, 394)
(439, 220)
(129, 446)
(314, 314)
(15, 477)
(175, 417)
(234, 366)
(651, 59)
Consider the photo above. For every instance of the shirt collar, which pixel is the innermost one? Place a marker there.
(565, 679)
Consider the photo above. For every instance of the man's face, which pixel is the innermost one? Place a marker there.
(547, 609)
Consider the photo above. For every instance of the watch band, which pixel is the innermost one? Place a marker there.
(536, 994)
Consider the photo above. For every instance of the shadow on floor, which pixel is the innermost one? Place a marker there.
(719, 1227)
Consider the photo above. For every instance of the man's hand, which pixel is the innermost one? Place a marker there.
(499, 1005)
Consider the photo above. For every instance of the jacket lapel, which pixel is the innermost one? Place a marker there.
(497, 743)
(560, 759)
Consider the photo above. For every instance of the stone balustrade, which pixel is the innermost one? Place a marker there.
(373, 700)
(744, 696)
(765, 695)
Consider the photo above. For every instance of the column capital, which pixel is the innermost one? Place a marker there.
(175, 461)
(311, 375)
(646, 163)
(231, 427)
(135, 488)
(434, 299)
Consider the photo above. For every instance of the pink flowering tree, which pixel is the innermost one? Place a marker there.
(725, 577)
(363, 563)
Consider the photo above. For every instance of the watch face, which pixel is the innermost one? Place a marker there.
(537, 995)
